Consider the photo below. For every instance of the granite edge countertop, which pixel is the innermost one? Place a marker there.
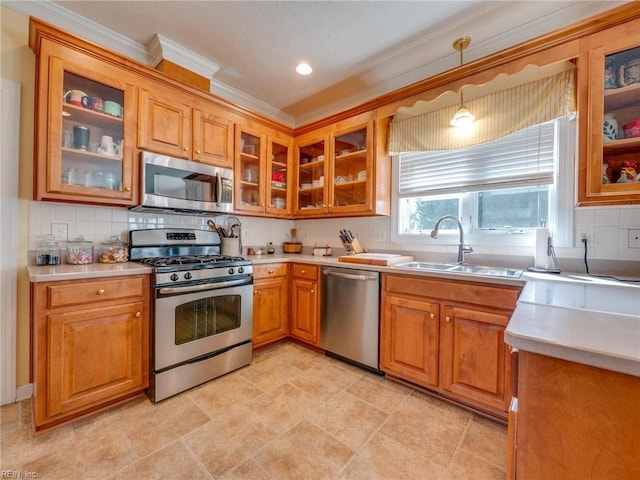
(605, 336)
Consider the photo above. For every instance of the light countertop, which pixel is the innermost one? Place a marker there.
(574, 317)
(53, 273)
(581, 319)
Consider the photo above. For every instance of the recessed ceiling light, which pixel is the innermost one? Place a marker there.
(304, 69)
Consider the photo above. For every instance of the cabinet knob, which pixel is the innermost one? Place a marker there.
(303, 271)
(198, 151)
(313, 291)
(448, 319)
(100, 291)
(186, 149)
(270, 272)
(255, 292)
(432, 315)
(127, 189)
(138, 314)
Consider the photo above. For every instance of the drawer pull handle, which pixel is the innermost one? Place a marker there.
(448, 319)
(303, 271)
(433, 315)
(100, 291)
(138, 314)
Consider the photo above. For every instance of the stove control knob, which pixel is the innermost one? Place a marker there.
(241, 270)
(187, 276)
(174, 277)
(231, 271)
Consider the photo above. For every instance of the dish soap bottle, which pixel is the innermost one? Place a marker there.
(270, 248)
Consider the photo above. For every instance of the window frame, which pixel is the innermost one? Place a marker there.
(561, 203)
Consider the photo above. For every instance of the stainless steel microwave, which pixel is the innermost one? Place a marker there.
(175, 185)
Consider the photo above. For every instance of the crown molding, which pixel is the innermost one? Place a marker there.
(247, 101)
(162, 48)
(84, 28)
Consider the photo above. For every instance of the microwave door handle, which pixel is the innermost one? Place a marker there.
(218, 189)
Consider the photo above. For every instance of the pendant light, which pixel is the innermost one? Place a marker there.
(463, 116)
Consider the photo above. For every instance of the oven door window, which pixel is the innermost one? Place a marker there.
(206, 317)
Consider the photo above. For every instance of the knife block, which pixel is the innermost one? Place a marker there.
(353, 247)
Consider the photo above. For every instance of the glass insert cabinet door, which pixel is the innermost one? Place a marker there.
(249, 169)
(350, 169)
(279, 175)
(312, 191)
(621, 117)
(87, 152)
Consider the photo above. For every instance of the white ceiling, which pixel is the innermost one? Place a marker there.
(358, 49)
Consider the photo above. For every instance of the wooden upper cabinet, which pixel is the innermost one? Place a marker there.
(164, 125)
(609, 84)
(184, 128)
(72, 89)
(212, 139)
(343, 169)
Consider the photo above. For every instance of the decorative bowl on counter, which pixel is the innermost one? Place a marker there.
(292, 247)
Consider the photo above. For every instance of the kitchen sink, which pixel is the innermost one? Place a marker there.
(481, 270)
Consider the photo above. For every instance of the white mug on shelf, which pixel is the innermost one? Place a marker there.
(108, 147)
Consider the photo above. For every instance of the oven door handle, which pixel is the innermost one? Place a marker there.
(204, 286)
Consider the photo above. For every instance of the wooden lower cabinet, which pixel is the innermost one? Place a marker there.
(305, 303)
(448, 336)
(474, 361)
(574, 421)
(270, 303)
(90, 345)
(410, 336)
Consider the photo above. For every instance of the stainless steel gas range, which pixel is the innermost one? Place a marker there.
(203, 307)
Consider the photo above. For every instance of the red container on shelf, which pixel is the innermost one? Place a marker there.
(632, 129)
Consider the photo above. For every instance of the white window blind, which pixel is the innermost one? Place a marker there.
(520, 159)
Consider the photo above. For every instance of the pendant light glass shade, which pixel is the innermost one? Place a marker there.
(463, 116)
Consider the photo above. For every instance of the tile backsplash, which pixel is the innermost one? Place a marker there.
(607, 227)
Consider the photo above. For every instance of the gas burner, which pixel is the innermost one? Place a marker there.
(193, 260)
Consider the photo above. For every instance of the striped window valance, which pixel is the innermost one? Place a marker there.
(497, 115)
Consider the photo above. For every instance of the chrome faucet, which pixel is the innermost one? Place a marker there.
(461, 248)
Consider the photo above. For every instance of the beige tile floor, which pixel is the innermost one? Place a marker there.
(291, 414)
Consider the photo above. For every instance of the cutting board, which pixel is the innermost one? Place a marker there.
(381, 259)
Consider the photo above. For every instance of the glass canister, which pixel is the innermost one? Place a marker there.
(79, 251)
(113, 251)
(48, 251)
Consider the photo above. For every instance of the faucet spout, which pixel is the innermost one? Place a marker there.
(461, 248)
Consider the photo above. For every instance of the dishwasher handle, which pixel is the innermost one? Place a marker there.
(349, 276)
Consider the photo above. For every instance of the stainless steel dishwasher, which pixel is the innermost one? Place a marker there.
(349, 319)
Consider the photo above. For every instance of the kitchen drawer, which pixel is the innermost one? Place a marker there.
(271, 270)
(310, 272)
(466, 292)
(73, 293)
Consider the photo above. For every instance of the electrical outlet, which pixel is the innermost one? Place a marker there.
(59, 231)
(634, 238)
(583, 232)
(380, 235)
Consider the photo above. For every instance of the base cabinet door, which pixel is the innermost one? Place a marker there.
(270, 304)
(305, 303)
(90, 345)
(410, 339)
(94, 355)
(475, 363)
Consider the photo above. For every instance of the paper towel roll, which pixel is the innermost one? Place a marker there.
(541, 258)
